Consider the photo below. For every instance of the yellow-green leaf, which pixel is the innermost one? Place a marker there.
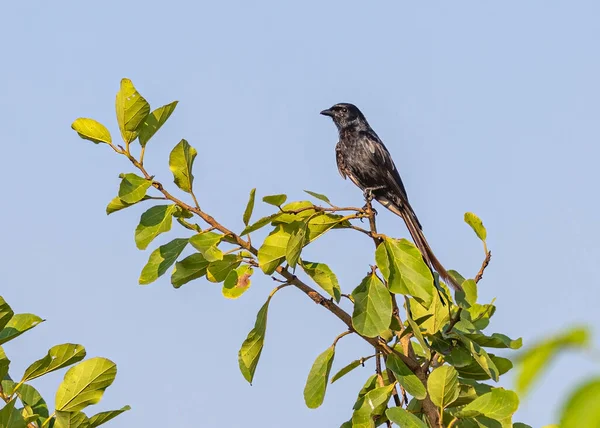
(132, 110)
(58, 356)
(154, 121)
(276, 200)
(181, 161)
(499, 404)
(249, 207)
(218, 270)
(18, 325)
(404, 419)
(133, 188)
(71, 420)
(324, 277)
(406, 377)
(442, 386)
(188, 269)
(372, 307)
(206, 243)
(103, 417)
(91, 130)
(237, 282)
(477, 225)
(272, 252)
(582, 409)
(251, 349)
(153, 222)
(316, 383)
(363, 416)
(162, 259)
(117, 205)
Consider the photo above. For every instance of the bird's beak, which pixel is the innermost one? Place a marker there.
(327, 112)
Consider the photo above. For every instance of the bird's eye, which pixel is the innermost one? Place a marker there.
(344, 110)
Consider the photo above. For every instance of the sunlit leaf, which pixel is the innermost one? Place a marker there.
(347, 369)
(477, 225)
(103, 417)
(18, 325)
(162, 259)
(272, 252)
(91, 130)
(406, 377)
(133, 188)
(276, 200)
(476, 371)
(416, 329)
(6, 313)
(373, 307)
(117, 204)
(404, 419)
(154, 121)
(132, 110)
(11, 417)
(32, 398)
(249, 207)
(260, 223)
(71, 420)
(442, 386)
(324, 277)
(498, 404)
(362, 417)
(206, 243)
(237, 282)
(188, 269)
(295, 244)
(153, 222)
(251, 349)
(496, 340)
(316, 384)
(319, 196)
(468, 296)
(582, 409)
(181, 161)
(58, 356)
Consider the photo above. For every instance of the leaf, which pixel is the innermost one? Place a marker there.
(416, 329)
(321, 223)
(251, 349)
(469, 391)
(154, 121)
(316, 383)
(260, 224)
(92, 130)
(188, 269)
(538, 357)
(237, 282)
(468, 296)
(437, 315)
(206, 243)
(324, 277)
(162, 259)
(249, 207)
(347, 369)
(477, 225)
(581, 409)
(132, 110)
(18, 325)
(496, 340)
(404, 419)
(372, 307)
(181, 161)
(402, 265)
(133, 188)
(276, 200)
(84, 384)
(319, 196)
(406, 377)
(6, 313)
(153, 222)
(117, 205)
(71, 420)
(362, 417)
(295, 244)
(10, 417)
(442, 386)
(477, 372)
(32, 398)
(58, 356)
(499, 404)
(103, 417)
(272, 252)
(218, 270)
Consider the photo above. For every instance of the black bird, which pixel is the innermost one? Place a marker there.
(362, 157)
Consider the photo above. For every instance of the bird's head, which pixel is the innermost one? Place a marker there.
(346, 115)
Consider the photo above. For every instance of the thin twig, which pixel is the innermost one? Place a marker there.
(340, 336)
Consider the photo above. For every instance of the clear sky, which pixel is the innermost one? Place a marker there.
(490, 107)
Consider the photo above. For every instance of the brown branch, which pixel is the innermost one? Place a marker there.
(485, 264)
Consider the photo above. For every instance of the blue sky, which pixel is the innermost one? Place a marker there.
(490, 107)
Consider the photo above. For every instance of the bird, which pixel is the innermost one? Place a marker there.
(362, 157)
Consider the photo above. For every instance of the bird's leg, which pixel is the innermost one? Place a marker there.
(368, 194)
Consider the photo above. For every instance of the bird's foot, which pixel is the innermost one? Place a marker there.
(368, 192)
(367, 207)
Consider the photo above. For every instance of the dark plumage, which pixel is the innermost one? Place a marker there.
(362, 157)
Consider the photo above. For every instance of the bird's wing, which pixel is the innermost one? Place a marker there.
(339, 158)
(384, 162)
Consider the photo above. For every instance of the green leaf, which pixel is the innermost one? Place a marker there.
(249, 207)
(316, 383)
(416, 329)
(6, 313)
(162, 259)
(319, 196)
(406, 377)
(84, 384)
(537, 358)
(581, 409)
(188, 269)
(437, 315)
(404, 419)
(477, 225)
(362, 417)
(133, 188)
(237, 282)
(4, 363)
(91, 130)
(469, 391)
(251, 349)
(181, 161)
(272, 252)
(403, 267)
(18, 325)
(276, 200)
(103, 417)
(298, 240)
(442, 385)
(132, 110)
(218, 270)
(71, 420)
(499, 404)
(372, 307)
(153, 222)
(324, 277)
(58, 356)
(347, 369)
(468, 297)
(32, 398)
(496, 340)
(206, 243)
(260, 223)
(11, 417)
(476, 371)
(154, 121)
(117, 205)
(323, 222)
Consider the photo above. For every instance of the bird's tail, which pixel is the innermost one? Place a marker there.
(414, 227)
